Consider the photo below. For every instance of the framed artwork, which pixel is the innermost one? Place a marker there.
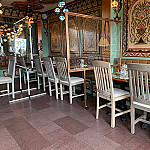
(136, 28)
(56, 38)
(90, 37)
(74, 45)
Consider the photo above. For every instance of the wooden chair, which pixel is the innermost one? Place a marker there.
(27, 71)
(65, 79)
(139, 77)
(51, 75)
(10, 76)
(105, 90)
(40, 71)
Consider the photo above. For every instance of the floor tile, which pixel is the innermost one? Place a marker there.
(71, 125)
(26, 135)
(59, 136)
(35, 144)
(75, 145)
(50, 127)
(52, 113)
(119, 136)
(136, 143)
(96, 140)
(7, 113)
(16, 125)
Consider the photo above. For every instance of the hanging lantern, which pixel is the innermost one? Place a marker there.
(62, 18)
(1, 12)
(5, 40)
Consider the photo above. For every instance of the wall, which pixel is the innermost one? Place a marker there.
(115, 37)
(45, 42)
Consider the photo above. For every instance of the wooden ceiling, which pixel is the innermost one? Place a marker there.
(35, 5)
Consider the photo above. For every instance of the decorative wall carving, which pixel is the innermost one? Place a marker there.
(90, 37)
(55, 38)
(9, 12)
(81, 6)
(74, 44)
(136, 33)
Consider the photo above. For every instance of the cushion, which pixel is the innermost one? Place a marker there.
(5, 80)
(119, 92)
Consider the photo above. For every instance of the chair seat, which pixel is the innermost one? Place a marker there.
(56, 80)
(45, 74)
(5, 80)
(119, 92)
(73, 81)
(30, 71)
(76, 80)
(142, 105)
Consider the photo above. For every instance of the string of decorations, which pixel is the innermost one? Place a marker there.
(7, 32)
(1, 11)
(61, 9)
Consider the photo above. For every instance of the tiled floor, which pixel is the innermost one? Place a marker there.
(44, 123)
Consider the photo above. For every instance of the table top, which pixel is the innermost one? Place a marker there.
(119, 77)
(80, 69)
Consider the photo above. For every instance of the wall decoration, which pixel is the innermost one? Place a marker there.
(14, 13)
(74, 36)
(55, 38)
(93, 7)
(90, 36)
(136, 31)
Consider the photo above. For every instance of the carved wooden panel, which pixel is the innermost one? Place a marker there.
(56, 38)
(90, 37)
(74, 40)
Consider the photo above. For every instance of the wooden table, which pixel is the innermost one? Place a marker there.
(84, 71)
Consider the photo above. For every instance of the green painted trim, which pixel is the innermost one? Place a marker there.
(34, 40)
(45, 42)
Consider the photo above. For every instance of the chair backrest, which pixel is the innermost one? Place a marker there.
(38, 64)
(11, 67)
(49, 67)
(61, 65)
(103, 77)
(139, 78)
(22, 61)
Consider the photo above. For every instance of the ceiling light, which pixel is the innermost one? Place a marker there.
(1, 12)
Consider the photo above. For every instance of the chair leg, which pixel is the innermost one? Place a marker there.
(44, 83)
(38, 82)
(132, 120)
(24, 76)
(8, 88)
(56, 88)
(113, 113)
(70, 93)
(74, 89)
(13, 94)
(61, 92)
(28, 83)
(50, 89)
(97, 109)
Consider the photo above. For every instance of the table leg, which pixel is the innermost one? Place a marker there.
(86, 107)
(20, 79)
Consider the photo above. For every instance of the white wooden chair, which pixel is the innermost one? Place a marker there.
(105, 90)
(27, 71)
(10, 76)
(65, 79)
(40, 71)
(139, 78)
(51, 75)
